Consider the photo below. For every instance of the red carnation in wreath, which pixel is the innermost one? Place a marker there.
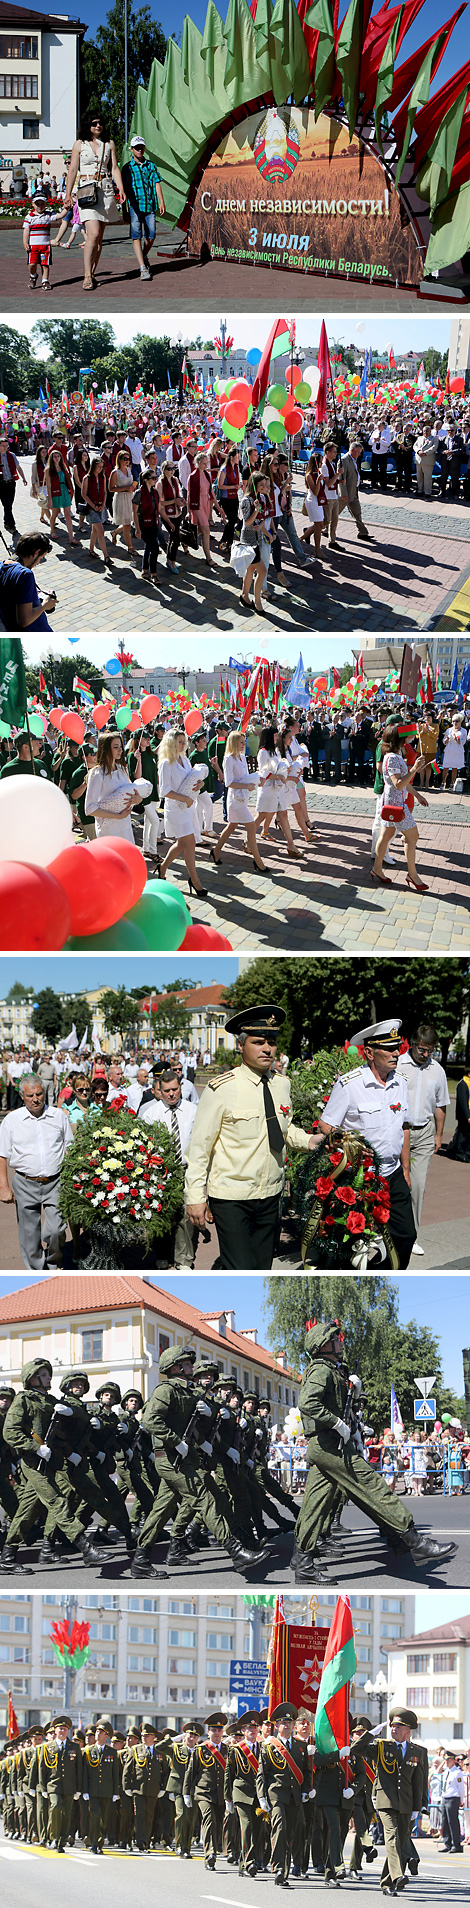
(356, 1222)
(346, 1194)
(323, 1187)
(382, 1213)
(335, 1159)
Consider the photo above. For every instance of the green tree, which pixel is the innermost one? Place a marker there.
(61, 672)
(377, 1347)
(325, 1001)
(75, 1012)
(18, 992)
(20, 372)
(146, 359)
(71, 343)
(170, 1022)
(47, 1014)
(435, 363)
(102, 63)
(119, 1010)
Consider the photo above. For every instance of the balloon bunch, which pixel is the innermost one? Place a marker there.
(283, 415)
(55, 892)
(235, 406)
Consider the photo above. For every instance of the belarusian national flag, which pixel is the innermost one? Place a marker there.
(48, 392)
(43, 689)
(276, 347)
(83, 690)
(13, 697)
(12, 1724)
(184, 374)
(332, 1716)
(324, 368)
(429, 688)
(251, 694)
(438, 678)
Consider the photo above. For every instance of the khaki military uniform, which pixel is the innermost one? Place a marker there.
(204, 1784)
(397, 1792)
(30, 1783)
(283, 1792)
(60, 1774)
(186, 1812)
(241, 1770)
(142, 1776)
(231, 1161)
(100, 1780)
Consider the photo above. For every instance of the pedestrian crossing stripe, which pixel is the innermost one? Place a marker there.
(425, 1408)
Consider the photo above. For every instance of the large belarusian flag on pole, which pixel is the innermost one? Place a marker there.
(277, 346)
(13, 696)
(332, 1717)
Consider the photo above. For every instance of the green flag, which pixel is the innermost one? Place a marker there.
(435, 176)
(320, 20)
(13, 698)
(451, 236)
(385, 78)
(418, 98)
(348, 59)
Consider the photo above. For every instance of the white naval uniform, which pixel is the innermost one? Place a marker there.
(379, 1110)
(427, 1088)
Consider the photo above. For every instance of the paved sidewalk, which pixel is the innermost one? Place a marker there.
(415, 565)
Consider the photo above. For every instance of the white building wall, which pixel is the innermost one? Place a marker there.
(57, 106)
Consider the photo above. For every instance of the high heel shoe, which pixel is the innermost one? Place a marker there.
(258, 870)
(382, 880)
(216, 858)
(421, 887)
(198, 891)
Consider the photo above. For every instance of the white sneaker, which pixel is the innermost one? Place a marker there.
(389, 861)
(145, 272)
(419, 1250)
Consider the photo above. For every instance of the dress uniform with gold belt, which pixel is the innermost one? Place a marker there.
(30, 1779)
(241, 1772)
(204, 1784)
(60, 1773)
(397, 1792)
(237, 1147)
(101, 1775)
(283, 1775)
(186, 1811)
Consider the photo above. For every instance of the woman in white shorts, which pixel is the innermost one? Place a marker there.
(454, 750)
(398, 779)
(238, 781)
(94, 160)
(179, 784)
(272, 801)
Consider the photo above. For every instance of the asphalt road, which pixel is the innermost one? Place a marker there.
(40, 1876)
(367, 1563)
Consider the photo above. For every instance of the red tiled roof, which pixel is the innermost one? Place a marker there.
(195, 999)
(68, 1295)
(24, 16)
(458, 1632)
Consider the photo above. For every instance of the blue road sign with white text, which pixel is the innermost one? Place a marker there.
(247, 1678)
(424, 1408)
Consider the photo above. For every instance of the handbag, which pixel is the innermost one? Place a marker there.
(87, 195)
(391, 811)
(241, 556)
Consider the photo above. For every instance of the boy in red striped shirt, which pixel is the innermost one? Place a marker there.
(36, 239)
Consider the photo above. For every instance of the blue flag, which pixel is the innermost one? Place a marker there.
(297, 691)
(203, 384)
(455, 679)
(125, 388)
(365, 375)
(233, 664)
(42, 399)
(465, 683)
(169, 381)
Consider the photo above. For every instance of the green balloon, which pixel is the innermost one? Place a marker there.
(162, 919)
(36, 725)
(124, 936)
(445, 1417)
(163, 888)
(250, 412)
(228, 386)
(277, 395)
(276, 430)
(303, 393)
(123, 716)
(232, 431)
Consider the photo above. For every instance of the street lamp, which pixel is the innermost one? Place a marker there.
(379, 1690)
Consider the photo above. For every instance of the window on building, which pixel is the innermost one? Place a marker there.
(227, 1641)
(163, 1342)
(445, 1698)
(13, 49)
(181, 1666)
(246, 1381)
(457, 1731)
(21, 1623)
(174, 1610)
(20, 1654)
(268, 1388)
(443, 1663)
(417, 1696)
(92, 1348)
(393, 1604)
(234, 1373)
(18, 86)
(5, 1620)
(391, 1629)
(184, 1639)
(363, 1653)
(417, 1665)
(211, 1640)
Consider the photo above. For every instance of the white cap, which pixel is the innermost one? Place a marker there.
(385, 1033)
(138, 140)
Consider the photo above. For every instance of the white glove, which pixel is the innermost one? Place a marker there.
(207, 1448)
(77, 1795)
(344, 1753)
(101, 1456)
(358, 1444)
(63, 1411)
(243, 1423)
(311, 1749)
(85, 1797)
(45, 1452)
(182, 1448)
(123, 1424)
(228, 1807)
(250, 1464)
(348, 1793)
(20, 1792)
(204, 1409)
(311, 1793)
(357, 1382)
(343, 1429)
(264, 1804)
(115, 1798)
(235, 1455)
(304, 1795)
(129, 1451)
(188, 1802)
(224, 1413)
(160, 1793)
(259, 1433)
(74, 1457)
(96, 1424)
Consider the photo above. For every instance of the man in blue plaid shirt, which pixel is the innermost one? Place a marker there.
(143, 191)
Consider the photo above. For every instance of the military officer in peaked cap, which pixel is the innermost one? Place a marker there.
(204, 1784)
(283, 1777)
(241, 1770)
(397, 1793)
(373, 1100)
(237, 1147)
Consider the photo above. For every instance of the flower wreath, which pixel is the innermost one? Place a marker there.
(121, 1180)
(344, 1203)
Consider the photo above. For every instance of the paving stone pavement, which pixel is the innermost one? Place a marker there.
(399, 582)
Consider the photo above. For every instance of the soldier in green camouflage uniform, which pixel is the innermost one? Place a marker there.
(26, 1430)
(167, 1416)
(8, 1492)
(81, 1488)
(134, 1458)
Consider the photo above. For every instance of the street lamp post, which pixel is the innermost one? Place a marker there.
(379, 1690)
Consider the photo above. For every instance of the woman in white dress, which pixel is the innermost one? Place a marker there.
(398, 780)
(454, 750)
(179, 783)
(108, 782)
(273, 775)
(297, 757)
(238, 781)
(94, 159)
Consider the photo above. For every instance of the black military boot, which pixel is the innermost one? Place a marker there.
(426, 1549)
(178, 1552)
(142, 1567)
(307, 1567)
(89, 1550)
(196, 1536)
(10, 1561)
(242, 1556)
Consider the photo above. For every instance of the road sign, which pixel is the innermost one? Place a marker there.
(256, 1702)
(425, 1408)
(424, 1385)
(247, 1678)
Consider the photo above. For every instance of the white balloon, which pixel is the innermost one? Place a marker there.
(35, 820)
(311, 376)
(360, 326)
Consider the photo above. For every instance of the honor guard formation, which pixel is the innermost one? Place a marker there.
(192, 1464)
(255, 1791)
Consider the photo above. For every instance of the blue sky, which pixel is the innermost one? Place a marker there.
(205, 652)
(248, 328)
(66, 972)
(430, 1299)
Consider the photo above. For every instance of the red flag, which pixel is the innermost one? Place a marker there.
(12, 1725)
(429, 688)
(406, 74)
(448, 383)
(359, 663)
(252, 690)
(227, 691)
(262, 376)
(392, 362)
(430, 118)
(324, 368)
(335, 678)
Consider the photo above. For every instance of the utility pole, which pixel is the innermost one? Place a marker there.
(126, 86)
(71, 1607)
(223, 334)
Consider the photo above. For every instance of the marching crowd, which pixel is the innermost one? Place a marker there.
(257, 1792)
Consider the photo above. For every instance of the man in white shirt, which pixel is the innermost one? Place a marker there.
(373, 1101)
(116, 1082)
(136, 1090)
(429, 1096)
(178, 1115)
(34, 1140)
(453, 1798)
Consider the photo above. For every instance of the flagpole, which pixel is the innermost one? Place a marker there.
(29, 740)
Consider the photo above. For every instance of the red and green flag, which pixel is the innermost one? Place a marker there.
(48, 392)
(71, 1643)
(276, 347)
(438, 678)
(43, 689)
(332, 1717)
(12, 1723)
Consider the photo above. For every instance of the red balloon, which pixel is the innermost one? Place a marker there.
(34, 908)
(55, 718)
(98, 885)
(193, 721)
(293, 376)
(241, 392)
(293, 421)
(135, 722)
(73, 726)
(100, 714)
(207, 940)
(134, 860)
(150, 707)
(237, 413)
